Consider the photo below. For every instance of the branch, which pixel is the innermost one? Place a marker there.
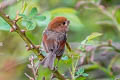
(30, 45)
(22, 34)
(109, 44)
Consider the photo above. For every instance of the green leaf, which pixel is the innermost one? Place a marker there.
(33, 12)
(46, 21)
(30, 25)
(93, 35)
(65, 58)
(63, 10)
(88, 38)
(24, 7)
(80, 71)
(4, 25)
(24, 16)
(85, 74)
(40, 18)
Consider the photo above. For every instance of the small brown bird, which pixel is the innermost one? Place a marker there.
(54, 40)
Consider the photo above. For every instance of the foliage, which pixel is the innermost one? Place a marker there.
(87, 39)
(30, 21)
(93, 35)
(80, 72)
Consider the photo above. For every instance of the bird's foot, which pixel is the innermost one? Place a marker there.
(55, 68)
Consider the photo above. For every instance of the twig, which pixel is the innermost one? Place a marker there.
(28, 76)
(32, 67)
(108, 45)
(114, 59)
(102, 9)
(16, 28)
(108, 72)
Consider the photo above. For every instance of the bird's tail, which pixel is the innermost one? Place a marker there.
(48, 61)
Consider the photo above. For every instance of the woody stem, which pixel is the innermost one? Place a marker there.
(13, 24)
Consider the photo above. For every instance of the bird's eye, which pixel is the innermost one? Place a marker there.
(63, 23)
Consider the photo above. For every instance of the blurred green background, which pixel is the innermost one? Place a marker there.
(86, 17)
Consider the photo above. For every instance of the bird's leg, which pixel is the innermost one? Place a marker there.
(56, 66)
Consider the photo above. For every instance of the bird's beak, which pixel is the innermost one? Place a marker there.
(67, 24)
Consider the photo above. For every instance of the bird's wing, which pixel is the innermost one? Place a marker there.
(54, 43)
